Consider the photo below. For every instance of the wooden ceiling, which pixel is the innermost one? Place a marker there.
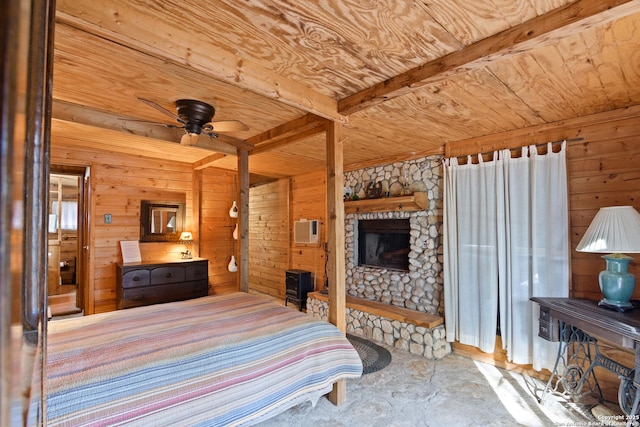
(405, 77)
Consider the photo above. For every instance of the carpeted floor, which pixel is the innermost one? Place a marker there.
(455, 391)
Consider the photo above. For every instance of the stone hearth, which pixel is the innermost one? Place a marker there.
(418, 333)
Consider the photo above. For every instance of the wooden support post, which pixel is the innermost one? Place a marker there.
(335, 235)
(243, 219)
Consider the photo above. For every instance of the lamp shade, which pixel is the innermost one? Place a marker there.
(614, 229)
(186, 236)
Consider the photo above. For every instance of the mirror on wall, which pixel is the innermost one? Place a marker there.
(161, 221)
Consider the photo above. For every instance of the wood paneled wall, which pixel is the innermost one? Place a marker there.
(602, 171)
(309, 200)
(118, 184)
(273, 208)
(216, 227)
(269, 237)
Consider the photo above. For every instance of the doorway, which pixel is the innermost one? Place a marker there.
(67, 238)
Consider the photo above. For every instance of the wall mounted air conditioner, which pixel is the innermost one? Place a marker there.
(306, 231)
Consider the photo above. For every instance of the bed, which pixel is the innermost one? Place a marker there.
(234, 359)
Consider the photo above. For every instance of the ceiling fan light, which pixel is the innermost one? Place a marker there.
(189, 138)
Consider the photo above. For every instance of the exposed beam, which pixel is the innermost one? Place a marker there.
(536, 32)
(174, 43)
(288, 140)
(215, 143)
(208, 161)
(284, 130)
(295, 130)
(335, 241)
(70, 112)
(243, 219)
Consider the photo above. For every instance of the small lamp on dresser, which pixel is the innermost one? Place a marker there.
(614, 230)
(186, 238)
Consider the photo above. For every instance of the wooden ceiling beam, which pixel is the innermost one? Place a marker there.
(531, 34)
(207, 161)
(70, 112)
(306, 133)
(286, 129)
(119, 21)
(297, 129)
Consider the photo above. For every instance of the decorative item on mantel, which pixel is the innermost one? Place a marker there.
(614, 230)
(235, 232)
(186, 238)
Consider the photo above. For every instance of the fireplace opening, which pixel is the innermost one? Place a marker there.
(384, 243)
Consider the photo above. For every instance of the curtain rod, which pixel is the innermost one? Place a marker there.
(515, 150)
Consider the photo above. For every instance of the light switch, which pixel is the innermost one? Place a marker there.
(107, 218)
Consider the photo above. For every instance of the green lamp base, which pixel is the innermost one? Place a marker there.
(616, 283)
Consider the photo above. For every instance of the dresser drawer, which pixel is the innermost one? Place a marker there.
(159, 282)
(135, 278)
(137, 297)
(165, 275)
(197, 272)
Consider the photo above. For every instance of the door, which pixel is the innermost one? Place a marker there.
(84, 268)
(68, 233)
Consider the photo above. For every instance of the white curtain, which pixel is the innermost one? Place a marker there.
(68, 214)
(506, 240)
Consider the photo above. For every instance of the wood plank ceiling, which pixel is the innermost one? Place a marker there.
(405, 76)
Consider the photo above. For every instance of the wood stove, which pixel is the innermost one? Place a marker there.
(298, 285)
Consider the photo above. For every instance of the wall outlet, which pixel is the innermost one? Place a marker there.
(107, 218)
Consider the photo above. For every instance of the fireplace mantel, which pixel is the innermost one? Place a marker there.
(415, 202)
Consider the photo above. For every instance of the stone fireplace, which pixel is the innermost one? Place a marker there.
(419, 286)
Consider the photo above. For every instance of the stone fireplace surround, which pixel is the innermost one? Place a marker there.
(421, 288)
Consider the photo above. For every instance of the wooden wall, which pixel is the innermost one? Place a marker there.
(269, 243)
(273, 208)
(602, 171)
(118, 184)
(216, 228)
(309, 200)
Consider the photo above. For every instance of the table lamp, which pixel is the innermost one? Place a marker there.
(614, 230)
(186, 238)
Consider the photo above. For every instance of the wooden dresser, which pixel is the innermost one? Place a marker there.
(141, 284)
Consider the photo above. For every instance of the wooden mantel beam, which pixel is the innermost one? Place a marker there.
(531, 34)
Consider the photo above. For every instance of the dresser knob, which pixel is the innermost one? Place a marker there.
(167, 275)
(136, 278)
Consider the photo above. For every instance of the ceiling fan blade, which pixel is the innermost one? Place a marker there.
(162, 109)
(189, 139)
(225, 126)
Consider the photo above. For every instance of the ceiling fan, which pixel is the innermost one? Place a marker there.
(195, 118)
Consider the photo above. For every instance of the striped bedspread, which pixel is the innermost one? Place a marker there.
(233, 359)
